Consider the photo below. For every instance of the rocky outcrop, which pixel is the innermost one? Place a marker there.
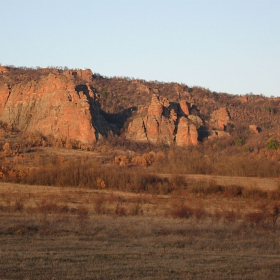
(218, 134)
(162, 126)
(85, 75)
(3, 69)
(186, 133)
(254, 129)
(137, 130)
(66, 104)
(154, 127)
(196, 120)
(4, 95)
(55, 105)
(184, 105)
(155, 109)
(219, 119)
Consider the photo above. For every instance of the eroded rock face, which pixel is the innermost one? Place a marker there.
(186, 133)
(85, 75)
(137, 130)
(160, 124)
(54, 105)
(184, 105)
(196, 120)
(4, 95)
(155, 109)
(218, 134)
(220, 119)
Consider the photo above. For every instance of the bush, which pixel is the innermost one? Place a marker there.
(182, 211)
(239, 142)
(19, 205)
(229, 217)
(136, 209)
(120, 211)
(255, 219)
(206, 188)
(233, 191)
(272, 145)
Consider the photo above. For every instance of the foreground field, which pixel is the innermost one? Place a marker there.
(141, 249)
(70, 233)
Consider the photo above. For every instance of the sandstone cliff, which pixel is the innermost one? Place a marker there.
(55, 105)
(164, 124)
(75, 104)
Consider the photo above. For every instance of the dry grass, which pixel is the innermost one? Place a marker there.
(68, 233)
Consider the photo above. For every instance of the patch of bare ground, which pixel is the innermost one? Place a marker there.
(74, 233)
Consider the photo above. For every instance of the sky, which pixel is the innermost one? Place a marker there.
(230, 46)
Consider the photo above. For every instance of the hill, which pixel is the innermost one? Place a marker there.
(167, 126)
(83, 106)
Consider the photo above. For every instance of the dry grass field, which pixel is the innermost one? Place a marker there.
(75, 233)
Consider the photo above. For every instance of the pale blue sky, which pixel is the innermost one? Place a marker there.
(228, 46)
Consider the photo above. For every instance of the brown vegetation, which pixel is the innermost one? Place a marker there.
(94, 229)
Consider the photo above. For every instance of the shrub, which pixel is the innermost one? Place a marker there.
(177, 181)
(253, 193)
(19, 205)
(182, 211)
(206, 188)
(239, 142)
(229, 217)
(272, 145)
(136, 209)
(255, 219)
(216, 216)
(199, 213)
(120, 211)
(233, 191)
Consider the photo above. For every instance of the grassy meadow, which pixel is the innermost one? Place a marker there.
(76, 233)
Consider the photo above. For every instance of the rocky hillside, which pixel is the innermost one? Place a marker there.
(52, 102)
(80, 105)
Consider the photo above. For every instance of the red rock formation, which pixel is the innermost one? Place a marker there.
(196, 120)
(254, 129)
(186, 133)
(184, 107)
(4, 69)
(173, 115)
(220, 119)
(137, 130)
(218, 134)
(4, 95)
(152, 129)
(85, 75)
(159, 126)
(166, 131)
(155, 109)
(54, 106)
